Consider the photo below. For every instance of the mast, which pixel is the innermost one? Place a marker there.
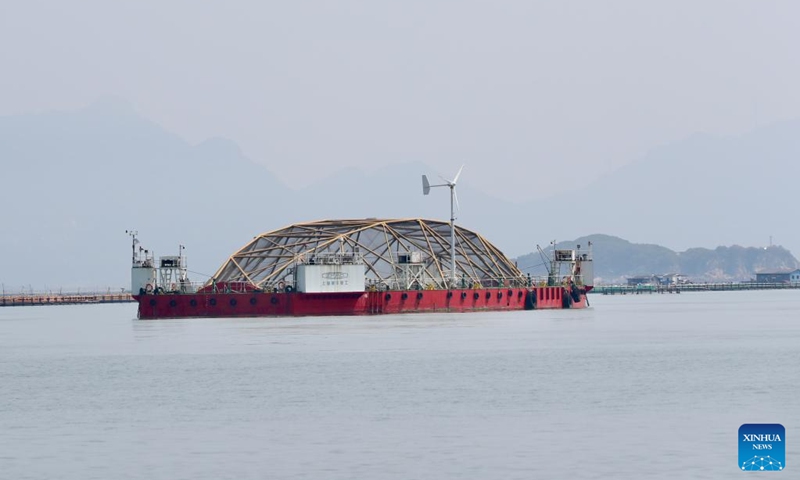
(452, 234)
(134, 241)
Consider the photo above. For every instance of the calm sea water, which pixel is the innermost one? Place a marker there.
(651, 386)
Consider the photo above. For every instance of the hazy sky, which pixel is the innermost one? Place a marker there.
(535, 97)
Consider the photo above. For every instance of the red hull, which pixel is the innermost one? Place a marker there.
(296, 304)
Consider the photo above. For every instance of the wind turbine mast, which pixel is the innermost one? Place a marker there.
(426, 188)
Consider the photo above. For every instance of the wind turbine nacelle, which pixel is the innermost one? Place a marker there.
(426, 186)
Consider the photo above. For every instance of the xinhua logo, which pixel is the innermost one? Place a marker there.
(762, 447)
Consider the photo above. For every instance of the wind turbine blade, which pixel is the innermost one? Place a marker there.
(426, 187)
(455, 180)
(455, 196)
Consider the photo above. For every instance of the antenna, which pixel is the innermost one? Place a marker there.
(426, 188)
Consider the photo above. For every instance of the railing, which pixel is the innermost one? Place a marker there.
(22, 299)
(372, 285)
(332, 258)
(464, 283)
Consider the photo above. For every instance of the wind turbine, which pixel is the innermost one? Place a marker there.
(426, 189)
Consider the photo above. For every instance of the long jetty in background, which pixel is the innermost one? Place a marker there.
(30, 299)
(690, 287)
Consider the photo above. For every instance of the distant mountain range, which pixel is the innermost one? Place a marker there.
(74, 181)
(617, 259)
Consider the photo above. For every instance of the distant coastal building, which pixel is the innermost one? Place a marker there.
(673, 279)
(779, 277)
(642, 280)
(665, 279)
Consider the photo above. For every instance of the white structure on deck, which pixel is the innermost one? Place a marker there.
(143, 271)
(332, 272)
(169, 276)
